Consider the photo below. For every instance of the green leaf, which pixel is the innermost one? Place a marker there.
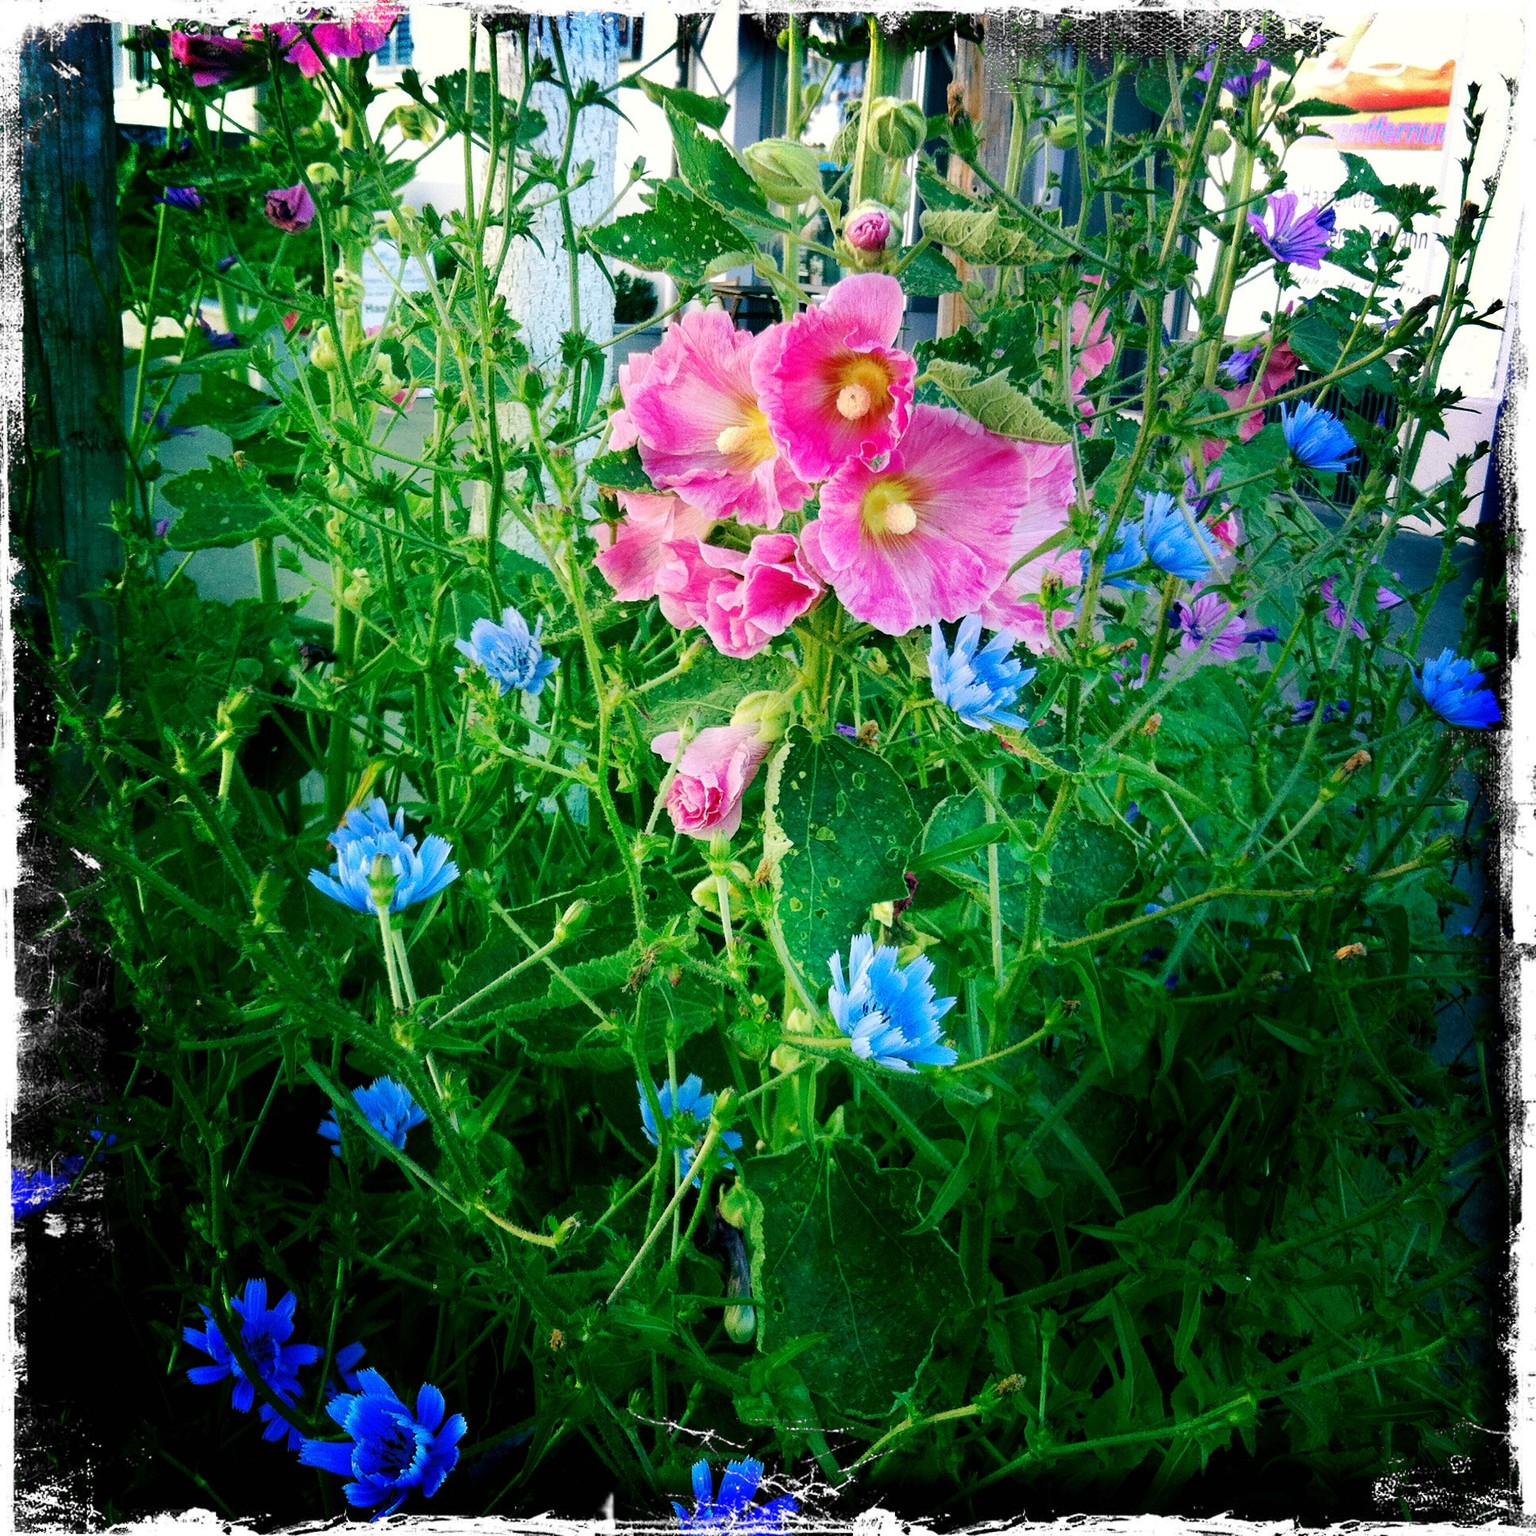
(1314, 106)
(938, 192)
(621, 471)
(228, 404)
(995, 403)
(711, 689)
(713, 171)
(843, 827)
(980, 236)
(1090, 864)
(678, 234)
(1254, 462)
(929, 274)
(218, 509)
(709, 110)
(840, 1261)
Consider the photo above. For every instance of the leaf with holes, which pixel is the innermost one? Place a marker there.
(678, 234)
(842, 827)
(218, 509)
(995, 403)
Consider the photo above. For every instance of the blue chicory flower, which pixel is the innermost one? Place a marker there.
(35, 1191)
(509, 653)
(392, 1450)
(1302, 240)
(264, 1332)
(691, 1100)
(364, 834)
(1132, 811)
(980, 686)
(1127, 554)
(1173, 542)
(276, 1427)
(733, 1511)
(1451, 687)
(1318, 439)
(888, 1010)
(386, 1106)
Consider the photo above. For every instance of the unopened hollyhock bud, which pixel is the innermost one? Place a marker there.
(896, 128)
(713, 773)
(868, 230)
(768, 710)
(323, 353)
(788, 172)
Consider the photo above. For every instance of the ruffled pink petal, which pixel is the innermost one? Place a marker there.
(635, 557)
(871, 304)
(966, 487)
(695, 387)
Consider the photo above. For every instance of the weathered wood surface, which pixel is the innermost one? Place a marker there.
(72, 465)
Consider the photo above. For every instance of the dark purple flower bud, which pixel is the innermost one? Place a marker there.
(847, 730)
(187, 198)
(219, 340)
(290, 208)
(162, 527)
(1132, 811)
(224, 263)
(312, 654)
(898, 907)
(1239, 365)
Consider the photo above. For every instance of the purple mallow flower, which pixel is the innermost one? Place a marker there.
(289, 208)
(1241, 83)
(887, 1010)
(1301, 239)
(1316, 437)
(185, 198)
(390, 1450)
(1238, 366)
(1206, 614)
(219, 340)
(1455, 690)
(734, 1510)
(1200, 493)
(691, 1100)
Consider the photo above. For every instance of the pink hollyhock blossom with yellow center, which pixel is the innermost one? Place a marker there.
(694, 410)
(713, 773)
(832, 384)
(927, 535)
(647, 555)
(1049, 491)
(743, 598)
(364, 33)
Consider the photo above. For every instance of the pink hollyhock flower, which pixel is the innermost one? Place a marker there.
(649, 553)
(868, 231)
(290, 208)
(713, 773)
(211, 58)
(701, 433)
(1092, 349)
(832, 384)
(927, 535)
(363, 34)
(1050, 490)
(1278, 372)
(744, 598)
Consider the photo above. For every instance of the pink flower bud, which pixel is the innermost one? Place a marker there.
(713, 773)
(868, 230)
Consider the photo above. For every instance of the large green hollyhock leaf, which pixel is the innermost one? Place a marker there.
(843, 827)
(837, 1261)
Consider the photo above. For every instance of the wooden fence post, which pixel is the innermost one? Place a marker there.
(72, 467)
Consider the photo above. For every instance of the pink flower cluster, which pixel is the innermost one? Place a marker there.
(920, 511)
(364, 33)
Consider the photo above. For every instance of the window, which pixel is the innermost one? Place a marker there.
(398, 50)
(130, 59)
(631, 38)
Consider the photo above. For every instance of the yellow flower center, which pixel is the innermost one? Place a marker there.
(861, 385)
(748, 441)
(886, 508)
